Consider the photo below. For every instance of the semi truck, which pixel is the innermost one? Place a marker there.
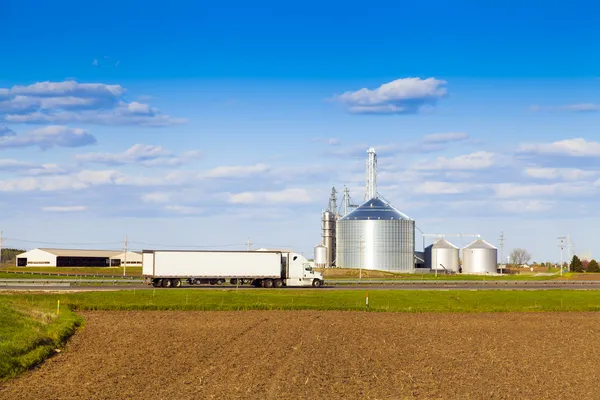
(268, 269)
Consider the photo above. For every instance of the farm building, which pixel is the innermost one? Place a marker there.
(77, 258)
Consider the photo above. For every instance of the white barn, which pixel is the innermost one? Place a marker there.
(44, 257)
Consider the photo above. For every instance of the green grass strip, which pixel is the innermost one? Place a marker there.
(30, 332)
(323, 299)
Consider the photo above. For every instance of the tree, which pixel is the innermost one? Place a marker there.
(520, 257)
(576, 264)
(593, 266)
(9, 255)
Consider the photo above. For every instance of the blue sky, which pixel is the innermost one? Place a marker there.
(203, 124)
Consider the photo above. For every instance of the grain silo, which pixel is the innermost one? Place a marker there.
(442, 256)
(376, 236)
(320, 256)
(480, 257)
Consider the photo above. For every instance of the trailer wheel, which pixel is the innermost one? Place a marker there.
(317, 283)
(166, 283)
(156, 282)
(257, 283)
(268, 283)
(197, 281)
(176, 282)
(278, 283)
(220, 281)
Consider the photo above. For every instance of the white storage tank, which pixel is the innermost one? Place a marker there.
(442, 256)
(480, 257)
(320, 256)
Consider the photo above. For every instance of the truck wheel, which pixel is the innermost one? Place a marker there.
(166, 283)
(156, 282)
(220, 281)
(317, 283)
(233, 281)
(197, 281)
(257, 283)
(278, 283)
(176, 282)
(268, 283)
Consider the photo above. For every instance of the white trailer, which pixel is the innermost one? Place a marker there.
(168, 268)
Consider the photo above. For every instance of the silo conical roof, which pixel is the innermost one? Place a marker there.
(374, 209)
(480, 244)
(443, 244)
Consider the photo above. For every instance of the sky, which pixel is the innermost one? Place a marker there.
(208, 125)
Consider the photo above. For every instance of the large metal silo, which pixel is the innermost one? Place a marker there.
(442, 256)
(329, 236)
(320, 256)
(376, 236)
(480, 257)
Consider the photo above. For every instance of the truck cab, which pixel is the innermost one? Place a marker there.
(300, 272)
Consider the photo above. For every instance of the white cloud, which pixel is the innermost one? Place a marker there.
(148, 155)
(49, 169)
(236, 171)
(445, 137)
(158, 197)
(579, 107)
(8, 164)
(64, 208)
(288, 196)
(328, 141)
(474, 161)
(76, 181)
(435, 188)
(70, 101)
(563, 189)
(527, 206)
(49, 136)
(402, 96)
(568, 174)
(578, 147)
(183, 209)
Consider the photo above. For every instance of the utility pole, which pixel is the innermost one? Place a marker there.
(501, 251)
(569, 252)
(561, 244)
(125, 258)
(248, 244)
(1, 247)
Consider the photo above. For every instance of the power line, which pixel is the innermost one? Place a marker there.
(62, 243)
(179, 245)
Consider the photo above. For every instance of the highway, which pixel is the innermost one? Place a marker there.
(411, 285)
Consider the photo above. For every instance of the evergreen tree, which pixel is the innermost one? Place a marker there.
(576, 264)
(593, 266)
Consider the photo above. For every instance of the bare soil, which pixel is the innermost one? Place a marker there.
(322, 355)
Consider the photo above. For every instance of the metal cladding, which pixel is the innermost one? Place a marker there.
(376, 236)
(371, 174)
(320, 256)
(329, 236)
(442, 256)
(480, 257)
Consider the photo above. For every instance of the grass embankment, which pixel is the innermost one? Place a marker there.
(113, 271)
(352, 274)
(31, 331)
(349, 300)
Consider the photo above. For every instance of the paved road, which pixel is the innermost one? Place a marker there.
(548, 285)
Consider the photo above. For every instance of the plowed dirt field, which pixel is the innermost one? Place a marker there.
(322, 355)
